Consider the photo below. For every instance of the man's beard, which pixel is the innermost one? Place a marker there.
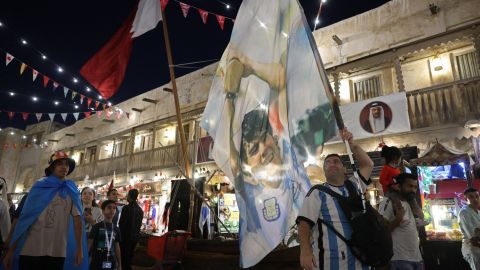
(409, 196)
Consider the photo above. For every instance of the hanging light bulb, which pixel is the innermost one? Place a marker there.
(24, 42)
(88, 89)
(60, 69)
(44, 57)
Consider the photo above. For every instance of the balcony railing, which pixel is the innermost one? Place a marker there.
(451, 103)
(107, 166)
(83, 170)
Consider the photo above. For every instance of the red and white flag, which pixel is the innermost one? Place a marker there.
(45, 81)
(8, 59)
(34, 74)
(55, 85)
(221, 20)
(106, 69)
(203, 14)
(25, 116)
(87, 115)
(11, 115)
(185, 8)
(81, 98)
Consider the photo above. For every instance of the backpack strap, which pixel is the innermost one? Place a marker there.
(325, 189)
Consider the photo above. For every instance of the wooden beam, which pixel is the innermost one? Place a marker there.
(88, 128)
(108, 121)
(70, 135)
(53, 140)
(166, 89)
(149, 100)
(137, 110)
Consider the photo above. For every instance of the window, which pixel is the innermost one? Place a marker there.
(467, 65)
(143, 141)
(92, 152)
(368, 88)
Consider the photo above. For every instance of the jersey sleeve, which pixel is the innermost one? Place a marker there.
(310, 210)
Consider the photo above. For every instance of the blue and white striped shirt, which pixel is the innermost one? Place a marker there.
(336, 254)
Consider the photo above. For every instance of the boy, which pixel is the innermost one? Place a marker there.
(103, 241)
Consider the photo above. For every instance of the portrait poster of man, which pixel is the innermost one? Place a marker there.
(378, 116)
(267, 111)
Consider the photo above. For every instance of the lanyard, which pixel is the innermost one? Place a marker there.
(108, 241)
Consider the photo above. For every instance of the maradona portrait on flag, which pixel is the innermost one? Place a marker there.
(267, 112)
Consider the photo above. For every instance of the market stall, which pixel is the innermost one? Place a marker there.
(443, 175)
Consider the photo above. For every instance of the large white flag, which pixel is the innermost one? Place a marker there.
(267, 112)
(147, 17)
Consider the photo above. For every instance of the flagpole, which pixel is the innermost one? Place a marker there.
(183, 142)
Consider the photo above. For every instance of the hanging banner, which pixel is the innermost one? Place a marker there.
(267, 121)
(65, 91)
(378, 116)
(81, 98)
(96, 105)
(39, 116)
(8, 59)
(34, 74)
(221, 20)
(11, 115)
(64, 116)
(76, 115)
(45, 81)
(25, 116)
(204, 15)
(23, 66)
(89, 101)
(184, 7)
(73, 95)
(51, 116)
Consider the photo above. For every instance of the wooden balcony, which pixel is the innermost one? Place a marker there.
(82, 170)
(107, 166)
(451, 103)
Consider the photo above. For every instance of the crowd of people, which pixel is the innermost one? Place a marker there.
(323, 217)
(57, 227)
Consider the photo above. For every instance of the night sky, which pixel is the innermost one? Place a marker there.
(70, 32)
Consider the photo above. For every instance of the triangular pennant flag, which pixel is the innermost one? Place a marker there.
(52, 116)
(11, 115)
(96, 104)
(203, 14)
(45, 81)
(64, 116)
(5, 146)
(25, 116)
(99, 114)
(104, 106)
(221, 20)
(34, 74)
(39, 116)
(128, 115)
(55, 85)
(119, 114)
(65, 91)
(8, 59)
(87, 115)
(108, 114)
(73, 94)
(185, 8)
(163, 3)
(76, 115)
(14, 146)
(23, 66)
(89, 101)
(81, 98)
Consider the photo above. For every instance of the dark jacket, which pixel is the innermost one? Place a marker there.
(130, 222)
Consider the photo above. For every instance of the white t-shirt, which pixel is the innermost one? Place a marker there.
(48, 235)
(405, 236)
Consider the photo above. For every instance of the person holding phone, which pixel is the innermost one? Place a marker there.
(92, 214)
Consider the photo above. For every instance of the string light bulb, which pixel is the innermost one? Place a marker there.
(88, 89)
(99, 97)
(24, 137)
(44, 57)
(60, 69)
(109, 104)
(56, 103)
(76, 106)
(324, 1)
(317, 21)
(228, 6)
(24, 42)
(75, 80)
(1, 24)
(11, 94)
(34, 98)
(12, 133)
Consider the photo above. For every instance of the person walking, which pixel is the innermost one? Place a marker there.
(469, 219)
(130, 223)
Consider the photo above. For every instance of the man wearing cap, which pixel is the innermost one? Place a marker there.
(49, 233)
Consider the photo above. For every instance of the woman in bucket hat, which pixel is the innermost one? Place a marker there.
(50, 233)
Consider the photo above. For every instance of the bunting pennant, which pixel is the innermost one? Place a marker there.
(76, 115)
(11, 115)
(5, 146)
(34, 74)
(45, 81)
(204, 15)
(8, 59)
(96, 104)
(104, 106)
(39, 116)
(128, 115)
(81, 98)
(185, 8)
(65, 91)
(55, 85)
(52, 116)
(25, 116)
(73, 95)
(22, 68)
(64, 116)
(89, 101)
(99, 114)
(163, 3)
(221, 20)
(87, 115)
(14, 146)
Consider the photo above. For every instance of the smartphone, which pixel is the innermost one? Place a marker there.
(88, 210)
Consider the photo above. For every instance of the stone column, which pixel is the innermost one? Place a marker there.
(398, 71)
